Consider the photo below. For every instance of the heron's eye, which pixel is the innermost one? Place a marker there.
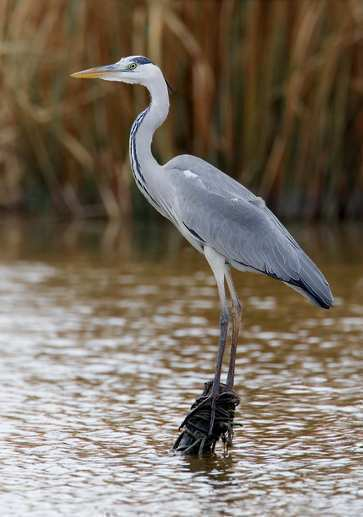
(132, 66)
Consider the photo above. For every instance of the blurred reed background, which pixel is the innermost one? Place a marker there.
(268, 90)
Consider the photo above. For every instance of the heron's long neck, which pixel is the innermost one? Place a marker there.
(143, 163)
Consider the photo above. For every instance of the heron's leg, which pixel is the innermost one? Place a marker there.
(217, 264)
(236, 321)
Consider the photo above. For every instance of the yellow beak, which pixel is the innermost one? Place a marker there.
(92, 73)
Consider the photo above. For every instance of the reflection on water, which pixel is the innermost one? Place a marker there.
(106, 336)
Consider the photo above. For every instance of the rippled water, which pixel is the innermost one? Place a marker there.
(107, 335)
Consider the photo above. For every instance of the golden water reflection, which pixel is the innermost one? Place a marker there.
(107, 334)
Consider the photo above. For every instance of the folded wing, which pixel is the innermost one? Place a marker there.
(223, 214)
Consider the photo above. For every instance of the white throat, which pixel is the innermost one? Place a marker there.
(144, 166)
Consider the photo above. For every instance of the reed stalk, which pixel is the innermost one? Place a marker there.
(270, 91)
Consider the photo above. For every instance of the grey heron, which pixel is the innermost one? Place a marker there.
(218, 216)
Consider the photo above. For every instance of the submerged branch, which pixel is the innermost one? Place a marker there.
(194, 438)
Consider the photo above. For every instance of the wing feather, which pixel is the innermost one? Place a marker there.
(237, 224)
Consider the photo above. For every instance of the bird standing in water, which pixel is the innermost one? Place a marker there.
(222, 219)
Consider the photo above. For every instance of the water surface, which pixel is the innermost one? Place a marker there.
(107, 334)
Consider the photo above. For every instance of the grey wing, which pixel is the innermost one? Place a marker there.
(226, 216)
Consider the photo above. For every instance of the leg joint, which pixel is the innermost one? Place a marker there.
(224, 319)
(238, 306)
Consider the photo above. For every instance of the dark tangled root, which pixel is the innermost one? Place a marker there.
(194, 438)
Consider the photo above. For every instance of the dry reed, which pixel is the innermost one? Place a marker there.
(271, 91)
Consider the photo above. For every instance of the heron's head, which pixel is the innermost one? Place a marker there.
(132, 69)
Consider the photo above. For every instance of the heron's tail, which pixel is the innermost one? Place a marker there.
(312, 283)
